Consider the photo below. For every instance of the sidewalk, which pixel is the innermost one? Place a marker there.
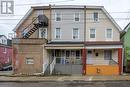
(63, 78)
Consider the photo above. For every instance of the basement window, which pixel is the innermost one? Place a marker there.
(29, 61)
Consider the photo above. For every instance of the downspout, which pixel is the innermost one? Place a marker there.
(50, 21)
(50, 36)
(84, 49)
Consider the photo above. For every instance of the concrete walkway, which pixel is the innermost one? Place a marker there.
(63, 78)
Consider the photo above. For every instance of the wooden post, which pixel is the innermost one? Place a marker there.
(84, 61)
(120, 60)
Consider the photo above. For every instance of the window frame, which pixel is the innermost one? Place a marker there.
(96, 19)
(56, 16)
(90, 33)
(109, 39)
(5, 50)
(107, 54)
(56, 33)
(40, 33)
(73, 34)
(78, 16)
(27, 61)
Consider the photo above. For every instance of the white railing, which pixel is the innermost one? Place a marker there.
(100, 62)
(52, 65)
(44, 67)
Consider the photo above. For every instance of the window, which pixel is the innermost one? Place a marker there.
(2, 41)
(76, 16)
(109, 33)
(58, 53)
(107, 54)
(92, 33)
(29, 61)
(95, 16)
(57, 33)
(78, 54)
(43, 33)
(58, 17)
(4, 50)
(75, 33)
(67, 54)
(89, 52)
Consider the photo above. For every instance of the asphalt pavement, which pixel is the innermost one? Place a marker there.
(67, 84)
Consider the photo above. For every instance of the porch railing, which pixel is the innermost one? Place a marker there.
(64, 60)
(44, 67)
(52, 65)
(100, 62)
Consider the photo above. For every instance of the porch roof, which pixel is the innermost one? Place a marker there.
(104, 45)
(64, 45)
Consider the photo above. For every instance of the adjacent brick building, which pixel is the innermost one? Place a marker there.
(5, 52)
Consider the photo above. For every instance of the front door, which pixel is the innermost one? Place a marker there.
(89, 57)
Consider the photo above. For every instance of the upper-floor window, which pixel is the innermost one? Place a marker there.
(2, 41)
(4, 50)
(92, 33)
(75, 33)
(43, 33)
(58, 33)
(58, 17)
(109, 33)
(76, 16)
(95, 16)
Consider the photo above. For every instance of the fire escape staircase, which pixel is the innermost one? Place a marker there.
(39, 22)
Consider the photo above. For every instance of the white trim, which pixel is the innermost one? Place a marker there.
(28, 61)
(108, 39)
(56, 16)
(23, 19)
(67, 6)
(104, 47)
(92, 39)
(63, 47)
(73, 33)
(79, 16)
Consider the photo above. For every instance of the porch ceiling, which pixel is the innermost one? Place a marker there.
(64, 46)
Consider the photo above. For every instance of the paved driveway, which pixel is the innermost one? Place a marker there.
(66, 84)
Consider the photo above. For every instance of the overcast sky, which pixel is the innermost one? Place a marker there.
(118, 9)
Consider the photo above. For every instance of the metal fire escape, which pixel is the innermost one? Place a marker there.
(39, 22)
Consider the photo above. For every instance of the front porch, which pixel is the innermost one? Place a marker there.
(102, 62)
(103, 58)
(67, 61)
(65, 58)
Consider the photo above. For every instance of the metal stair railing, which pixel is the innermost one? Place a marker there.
(52, 65)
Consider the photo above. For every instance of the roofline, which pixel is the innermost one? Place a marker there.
(23, 19)
(112, 20)
(4, 36)
(127, 27)
(66, 7)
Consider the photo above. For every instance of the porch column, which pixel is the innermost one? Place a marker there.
(120, 60)
(84, 61)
